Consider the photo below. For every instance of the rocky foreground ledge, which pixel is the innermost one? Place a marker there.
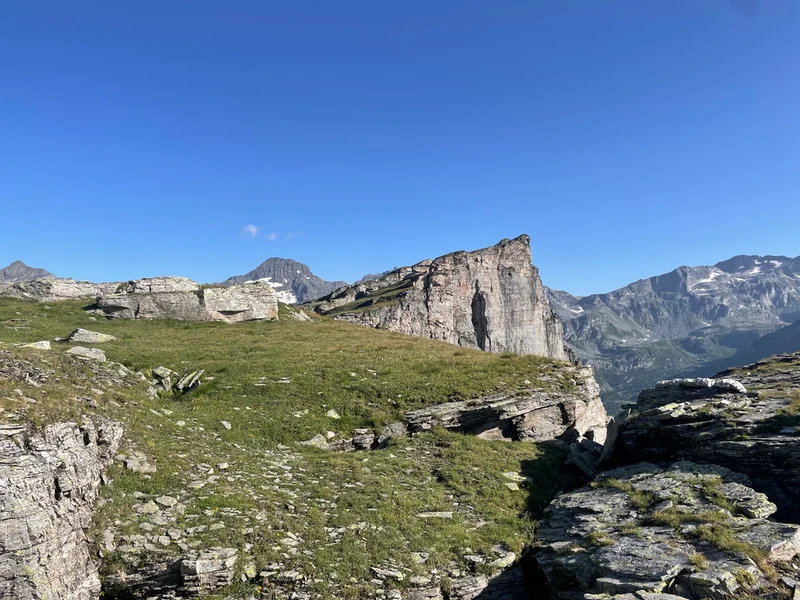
(702, 502)
(689, 530)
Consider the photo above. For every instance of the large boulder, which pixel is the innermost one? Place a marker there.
(689, 530)
(747, 420)
(490, 299)
(571, 409)
(182, 299)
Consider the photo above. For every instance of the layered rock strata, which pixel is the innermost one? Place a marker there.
(572, 410)
(490, 299)
(49, 483)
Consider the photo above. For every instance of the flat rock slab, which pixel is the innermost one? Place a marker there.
(84, 336)
(87, 353)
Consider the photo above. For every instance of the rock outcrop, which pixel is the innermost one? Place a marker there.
(182, 299)
(689, 530)
(756, 432)
(53, 290)
(490, 299)
(48, 485)
(573, 409)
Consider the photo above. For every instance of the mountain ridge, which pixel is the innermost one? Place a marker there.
(293, 281)
(677, 322)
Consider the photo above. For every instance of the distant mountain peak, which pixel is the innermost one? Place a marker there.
(19, 271)
(293, 281)
(677, 322)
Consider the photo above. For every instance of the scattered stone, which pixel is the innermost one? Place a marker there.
(87, 353)
(84, 336)
(166, 501)
(435, 515)
(43, 345)
(332, 414)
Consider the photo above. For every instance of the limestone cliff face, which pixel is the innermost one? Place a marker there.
(490, 299)
(49, 483)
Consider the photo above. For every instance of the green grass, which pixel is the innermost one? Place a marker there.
(274, 486)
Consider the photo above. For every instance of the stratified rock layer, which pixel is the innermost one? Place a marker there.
(756, 433)
(182, 299)
(490, 299)
(574, 408)
(53, 290)
(693, 531)
(48, 486)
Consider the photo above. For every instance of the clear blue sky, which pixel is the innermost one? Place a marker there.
(626, 137)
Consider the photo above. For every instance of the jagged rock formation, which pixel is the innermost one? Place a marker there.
(48, 485)
(293, 281)
(573, 410)
(53, 290)
(689, 530)
(681, 322)
(19, 271)
(490, 299)
(182, 299)
(756, 433)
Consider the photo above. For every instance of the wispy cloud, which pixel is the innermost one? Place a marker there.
(250, 231)
(293, 235)
(271, 236)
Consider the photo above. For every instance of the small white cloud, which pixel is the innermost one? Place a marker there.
(293, 235)
(271, 236)
(250, 231)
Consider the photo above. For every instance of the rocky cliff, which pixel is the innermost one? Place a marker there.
(490, 299)
(49, 483)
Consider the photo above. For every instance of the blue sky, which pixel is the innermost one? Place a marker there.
(625, 137)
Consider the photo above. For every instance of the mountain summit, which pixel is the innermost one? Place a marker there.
(293, 281)
(19, 271)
